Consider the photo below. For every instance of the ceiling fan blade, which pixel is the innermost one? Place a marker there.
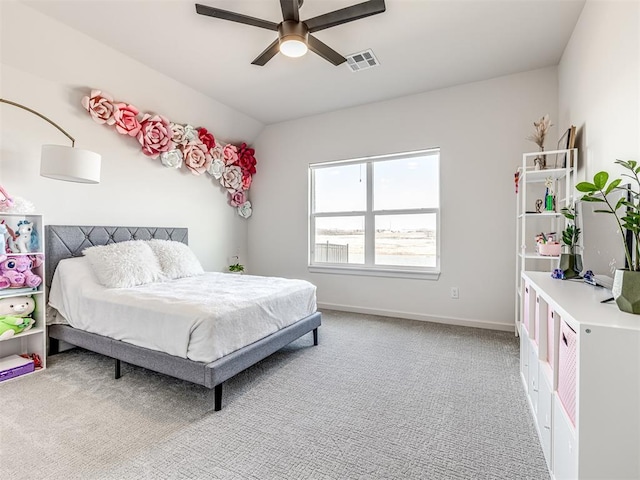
(325, 51)
(290, 10)
(268, 54)
(235, 17)
(345, 15)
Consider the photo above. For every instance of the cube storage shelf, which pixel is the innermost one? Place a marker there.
(580, 368)
(33, 340)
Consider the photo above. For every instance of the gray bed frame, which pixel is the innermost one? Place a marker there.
(64, 241)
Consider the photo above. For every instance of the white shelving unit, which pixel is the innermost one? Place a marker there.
(33, 340)
(580, 369)
(529, 223)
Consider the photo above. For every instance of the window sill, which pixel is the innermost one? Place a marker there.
(375, 272)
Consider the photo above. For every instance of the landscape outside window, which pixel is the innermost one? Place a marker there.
(378, 213)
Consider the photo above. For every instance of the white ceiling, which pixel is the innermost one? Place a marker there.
(421, 45)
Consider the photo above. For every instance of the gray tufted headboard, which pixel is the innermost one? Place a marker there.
(64, 241)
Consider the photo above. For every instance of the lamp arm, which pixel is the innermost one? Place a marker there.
(73, 140)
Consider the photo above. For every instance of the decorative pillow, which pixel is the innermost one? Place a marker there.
(176, 259)
(124, 264)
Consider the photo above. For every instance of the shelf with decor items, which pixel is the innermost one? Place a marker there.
(22, 295)
(580, 368)
(536, 214)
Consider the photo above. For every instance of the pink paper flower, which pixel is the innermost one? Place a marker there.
(196, 157)
(230, 153)
(237, 199)
(206, 138)
(155, 135)
(126, 119)
(100, 106)
(232, 178)
(246, 180)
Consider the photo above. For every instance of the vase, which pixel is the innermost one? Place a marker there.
(540, 162)
(626, 290)
(570, 264)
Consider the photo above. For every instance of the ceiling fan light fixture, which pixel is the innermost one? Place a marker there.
(293, 47)
(293, 38)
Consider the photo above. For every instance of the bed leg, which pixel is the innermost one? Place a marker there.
(315, 336)
(217, 397)
(54, 346)
(117, 370)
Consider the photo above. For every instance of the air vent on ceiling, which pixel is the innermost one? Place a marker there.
(362, 60)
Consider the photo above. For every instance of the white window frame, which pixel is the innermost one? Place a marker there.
(369, 268)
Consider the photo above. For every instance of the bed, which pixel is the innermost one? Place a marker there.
(65, 241)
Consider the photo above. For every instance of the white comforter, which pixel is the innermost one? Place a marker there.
(201, 318)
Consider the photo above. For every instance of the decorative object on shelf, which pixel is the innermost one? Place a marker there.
(65, 163)
(178, 145)
(24, 239)
(517, 179)
(236, 267)
(567, 141)
(558, 274)
(570, 262)
(541, 127)
(539, 203)
(626, 282)
(549, 197)
(5, 199)
(17, 269)
(547, 246)
(15, 315)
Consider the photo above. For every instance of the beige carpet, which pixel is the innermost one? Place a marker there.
(377, 399)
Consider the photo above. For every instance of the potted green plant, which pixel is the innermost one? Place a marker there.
(626, 283)
(236, 267)
(571, 262)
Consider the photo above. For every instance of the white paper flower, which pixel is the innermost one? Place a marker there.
(172, 158)
(216, 169)
(232, 178)
(183, 134)
(244, 210)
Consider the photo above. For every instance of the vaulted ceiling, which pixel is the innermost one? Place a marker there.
(421, 45)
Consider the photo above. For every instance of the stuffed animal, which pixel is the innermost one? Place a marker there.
(14, 315)
(17, 270)
(23, 242)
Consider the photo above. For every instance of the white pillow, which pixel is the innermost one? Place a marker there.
(176, 259)
(124, 264)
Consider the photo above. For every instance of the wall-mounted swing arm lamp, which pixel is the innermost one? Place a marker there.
(65, 163)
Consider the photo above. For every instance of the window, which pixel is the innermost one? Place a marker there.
(377, 215)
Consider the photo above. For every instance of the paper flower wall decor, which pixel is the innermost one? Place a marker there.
(178, 145)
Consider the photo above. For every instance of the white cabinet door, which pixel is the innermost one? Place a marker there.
(565, 451)
(533, 376)
(524, 359)
(544, 416)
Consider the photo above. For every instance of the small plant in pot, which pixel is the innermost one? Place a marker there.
(570, 263)
(626, 211)
(236, 267)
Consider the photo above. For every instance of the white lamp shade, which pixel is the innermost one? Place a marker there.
(293, 47)
(70, 164)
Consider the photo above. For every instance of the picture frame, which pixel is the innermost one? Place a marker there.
(567, 141)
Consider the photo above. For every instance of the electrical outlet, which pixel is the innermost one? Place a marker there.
(455, 293)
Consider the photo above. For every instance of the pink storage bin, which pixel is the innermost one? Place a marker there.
(549, 249)
(550, 346)
(567, 353)
(525, 313)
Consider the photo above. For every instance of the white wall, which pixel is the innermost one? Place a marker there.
(599, 84)
(50, 67)
(481, 130)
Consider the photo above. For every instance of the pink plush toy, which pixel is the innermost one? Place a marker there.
(17, 270)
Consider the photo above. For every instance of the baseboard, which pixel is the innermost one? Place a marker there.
(464, 322)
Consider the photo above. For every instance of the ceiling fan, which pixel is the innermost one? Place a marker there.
(294, 35)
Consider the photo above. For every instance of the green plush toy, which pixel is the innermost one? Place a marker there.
(10, 325)
(15, 315)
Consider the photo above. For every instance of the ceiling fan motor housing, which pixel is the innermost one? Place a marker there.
(290, 30)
